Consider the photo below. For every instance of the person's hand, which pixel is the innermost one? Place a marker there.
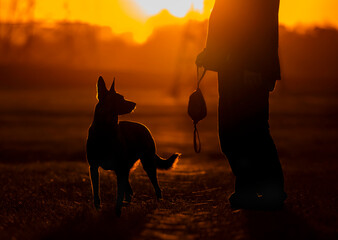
(252, 79)
(200, 59)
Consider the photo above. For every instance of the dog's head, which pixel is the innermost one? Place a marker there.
(111, 103)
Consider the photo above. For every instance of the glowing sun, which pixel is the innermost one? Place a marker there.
(178, 8)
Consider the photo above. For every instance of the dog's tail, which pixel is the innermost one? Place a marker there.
(166, 164)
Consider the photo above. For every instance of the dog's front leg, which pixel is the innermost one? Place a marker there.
(94, 176)
(122, 179)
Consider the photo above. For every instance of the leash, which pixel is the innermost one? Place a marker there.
(197, 140)
(199, 80)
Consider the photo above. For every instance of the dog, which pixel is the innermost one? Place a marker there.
(116, 146)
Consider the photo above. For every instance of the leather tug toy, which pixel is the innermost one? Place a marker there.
(197, 110)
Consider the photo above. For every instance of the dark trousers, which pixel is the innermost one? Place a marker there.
(245, 136)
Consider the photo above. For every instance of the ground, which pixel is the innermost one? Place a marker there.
(46, 194)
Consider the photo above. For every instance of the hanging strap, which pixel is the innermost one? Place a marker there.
(197, 141)
(199, 79)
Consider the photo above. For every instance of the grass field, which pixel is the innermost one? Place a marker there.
(45, 191)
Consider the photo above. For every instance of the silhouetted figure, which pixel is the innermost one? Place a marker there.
(242, 46)
(114, 145)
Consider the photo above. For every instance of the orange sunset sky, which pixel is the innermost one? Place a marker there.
(140, 17)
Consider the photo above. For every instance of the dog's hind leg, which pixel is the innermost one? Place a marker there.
(149, 166)
(122, 179)
(95, 179)
(129, 192)
(153, 178)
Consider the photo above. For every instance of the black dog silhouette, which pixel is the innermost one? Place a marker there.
(116, 146)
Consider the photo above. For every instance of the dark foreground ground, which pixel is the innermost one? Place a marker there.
(45, 190)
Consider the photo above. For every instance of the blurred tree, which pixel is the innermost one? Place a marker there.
(17, 27)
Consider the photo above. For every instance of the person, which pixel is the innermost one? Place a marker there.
(242, 46)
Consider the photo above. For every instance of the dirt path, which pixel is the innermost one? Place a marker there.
(191, 208)
(53, 201)
(196, 207)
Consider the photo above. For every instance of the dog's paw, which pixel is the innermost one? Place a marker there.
(159, 195)
(118, 211)
(97, 204)
(128, 198)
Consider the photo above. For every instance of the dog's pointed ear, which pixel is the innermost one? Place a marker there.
(112, 88)
(101, 89)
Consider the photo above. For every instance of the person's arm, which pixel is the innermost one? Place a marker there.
(213, 54)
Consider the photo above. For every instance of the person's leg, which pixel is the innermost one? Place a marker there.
(233, 140)
(246, 141)
(270, 178)
(242, 166)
